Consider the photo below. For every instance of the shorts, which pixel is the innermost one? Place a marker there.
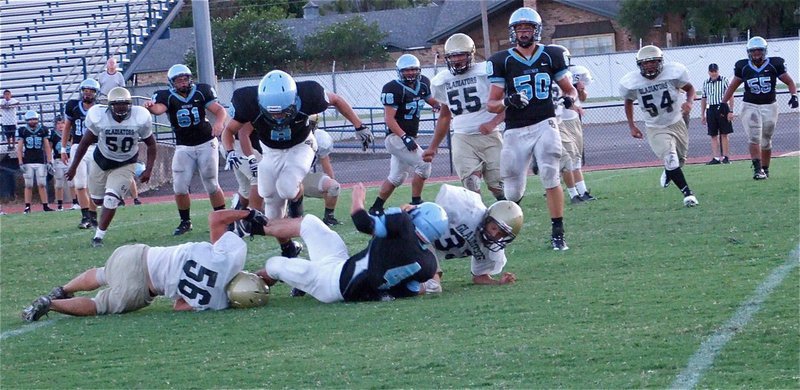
(126, 276)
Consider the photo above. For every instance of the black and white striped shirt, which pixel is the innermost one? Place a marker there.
(714, 89)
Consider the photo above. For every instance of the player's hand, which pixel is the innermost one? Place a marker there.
(508, 278)
(253, 163)
(409, 143)
(359, 192)
(724, 109)
(486, 128)
(50, 168)
(148, 104)
(686, 108)
(793, 101)
(256, 217)
(216, 130)
(232, 160)
(70, 173)
(703, 119)
(636, 133)
(365, 135)
(518, 100)
(64, 158)
(145, 176)
(436, 108)
(568, 102)
(429, 154)
(730, 117)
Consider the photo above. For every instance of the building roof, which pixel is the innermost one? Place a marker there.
(168, 50)
(607, 8)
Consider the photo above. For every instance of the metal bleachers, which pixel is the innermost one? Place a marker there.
(47, 47)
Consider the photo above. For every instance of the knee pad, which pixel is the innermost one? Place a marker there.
(550, 178)
(274, 208)
(423, 170)
(513, 191)
(111, 201)
(472, 183)
(397, 180)
(287, 188)
(334, 189)
(671, 161)
(210, 184)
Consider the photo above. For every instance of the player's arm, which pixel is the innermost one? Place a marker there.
(686, 107)
(66, 137)
(787, 79)
(581, 88)
(327, 167)
(229, 133)
(220, 117)
(20, 145)
(88, 139)
(345, 109)
(635, 132)
(219, 220)
(388, 117)
(155, 108)
(570, 94)
(181, 305)
(496, 96)
(735, 83)
(152, 149)
(439, 132)
(48, 151)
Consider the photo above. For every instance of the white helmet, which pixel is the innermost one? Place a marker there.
(757, 43)
(120, 103)
(525, 15)
(176, 71)
(459, 44)
(408, 62)
(581, 73)
(647, 54)
(247, 290)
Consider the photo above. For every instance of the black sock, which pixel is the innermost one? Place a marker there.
(766, 169)
(85, 213)
(296, 208)
(287, 246)
(45, 205)
(27, 205)
(92, 214)
(757, 164)
(676, 175)
(416, 199)
(60, 203)
(328, 212)
(74, 200)
(558, 225)
(219, 208)
(378, 204)
(499, 197)
(184, 215)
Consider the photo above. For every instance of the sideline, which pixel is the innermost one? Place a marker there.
(25, 329)
(704, 357)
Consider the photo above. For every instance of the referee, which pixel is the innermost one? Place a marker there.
(719, 125)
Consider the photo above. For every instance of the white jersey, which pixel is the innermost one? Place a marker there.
(465, 211)
(660, 98)
(119, 141)
(324, 143)
(467, 95)
(198, 272)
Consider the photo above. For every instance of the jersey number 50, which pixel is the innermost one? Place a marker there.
(541, 85)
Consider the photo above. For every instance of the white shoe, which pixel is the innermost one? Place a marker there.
(432, 287)
(665, 180)
(690, 201)
(75, 207)
(234, 200)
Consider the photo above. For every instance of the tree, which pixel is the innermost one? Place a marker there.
(251, 44)
(349, 6)
(350, 43)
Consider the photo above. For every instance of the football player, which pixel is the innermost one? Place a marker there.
(476, 140)
(581, 77)
(278, 111)
(476, 232)
(34, 156)
(74, 130)
(656, 87)
(322, 185)
(186, 102)
(247, 194)
(117, 128)
(403, 100)
(61, 185)
(395, 263)
(521, 85)
(195, 275)
(759, 109)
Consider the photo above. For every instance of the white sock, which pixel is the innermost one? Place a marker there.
(581, 186)
(572, 192)
(99, 233)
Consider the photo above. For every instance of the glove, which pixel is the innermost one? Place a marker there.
(257, 218)
(50, 168)
(232, 160)
(724, 109)
(793, 101)
(410, 144)
(365, 135)
(568, 102)
(518, 100)
(251, 160)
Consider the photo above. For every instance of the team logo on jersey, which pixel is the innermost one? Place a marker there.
(469, 235)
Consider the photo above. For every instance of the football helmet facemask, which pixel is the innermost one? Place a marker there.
(507, 217)
(408, 69)
(277, 97)
(459, 53)
(524, 37)
(176, 71)
(753, 46)
(120, 103)
(650, 60)
(247, 290)
(89, 89)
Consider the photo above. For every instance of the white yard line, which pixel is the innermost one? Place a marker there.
(25, 329)
(704, 357)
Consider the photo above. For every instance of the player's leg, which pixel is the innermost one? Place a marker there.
(208, 168)
(330, 192)
(753, 124)
(466, 161)
(397, 173)
(489, 152)
(184, 164)
(514, 162)
(41, 183)
(422, 171)
(80, 184)
(548, 149)
(28, 174)
(671, 145)
(289, 182)
(769, 113)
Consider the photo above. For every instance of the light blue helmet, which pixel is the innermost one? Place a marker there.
(277, 97)
(525, 15)
(430, 221)
(408, 61)
(30, 115)
(757, 43)
(89, 89)
(176, 71)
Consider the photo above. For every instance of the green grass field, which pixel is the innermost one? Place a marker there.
(645, 282)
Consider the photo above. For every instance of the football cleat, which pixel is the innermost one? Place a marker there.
(86, 223)
(587, 197)
(60, 208)
(47, 208)
(36, 310)
(559, 244)
(376, 211)
(432, 286)
(714, 161)
(296, 292)
(97, 242)
(759, 175)
(75, 206)
(183, 227)
(93, 221)
(291, 249)
(726, 160)
(330, 220)
(576, 199)
(665, 180)
(137, 202)
(690, 201)
(59, 293)
(27, 210)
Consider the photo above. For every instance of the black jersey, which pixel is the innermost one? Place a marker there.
(312, 100)
(533, 77)
(187, 115)
(392, 265)
(33, 142)
(407, 101)
(55, 144)
(76, 113)
(759, 83)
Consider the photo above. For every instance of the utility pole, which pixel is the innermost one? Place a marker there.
(202, 36)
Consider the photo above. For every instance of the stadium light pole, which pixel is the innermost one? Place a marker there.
(202, 36)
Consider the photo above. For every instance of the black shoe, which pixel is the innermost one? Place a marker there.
(183, 227)
(330, 220)
(725, 160)
(93, 221)
(47, 208)
(376, 211)
(297, 293)
(559, 244)
(291, 249)
(36, 310)
(122, 203)
(27, 210)
(766, 172)
(576, 199)
(86, 223)
(759, 175)
(136, 201)
(97, 242)
(714, 161)
(587, 197)
(58, 293)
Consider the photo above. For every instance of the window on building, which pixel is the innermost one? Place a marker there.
(589, 44)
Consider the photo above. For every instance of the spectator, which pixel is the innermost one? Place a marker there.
(110, 78)
(8, 116)
(719, 125)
